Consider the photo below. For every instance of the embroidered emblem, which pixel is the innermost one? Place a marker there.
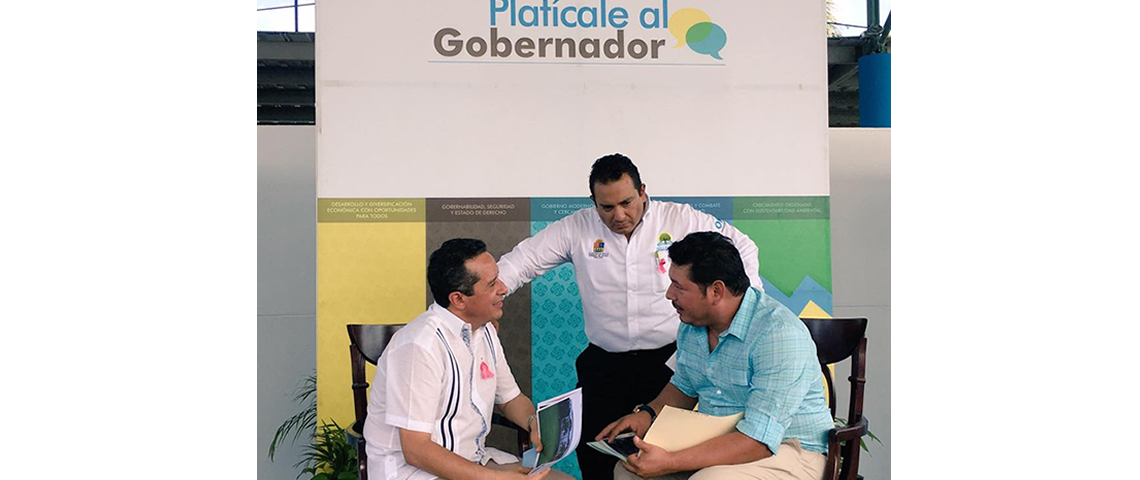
(664, 240)
(485, 371)
(599, 249)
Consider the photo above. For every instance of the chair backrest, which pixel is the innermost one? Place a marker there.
(366, 343)
(837, 339)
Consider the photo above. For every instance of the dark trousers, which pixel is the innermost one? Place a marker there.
(612, 384)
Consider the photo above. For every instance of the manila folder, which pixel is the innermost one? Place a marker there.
(677, 429)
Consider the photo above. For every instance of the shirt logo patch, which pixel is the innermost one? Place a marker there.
(664, 240)
(599, 249)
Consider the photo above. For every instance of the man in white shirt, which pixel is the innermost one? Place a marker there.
(429, 411)
(619, 250)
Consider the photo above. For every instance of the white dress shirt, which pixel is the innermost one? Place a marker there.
(622, 282)
(431, 379)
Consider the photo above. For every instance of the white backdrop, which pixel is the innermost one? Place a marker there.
(396, 118)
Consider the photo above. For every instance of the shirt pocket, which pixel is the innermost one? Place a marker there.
(737, 384)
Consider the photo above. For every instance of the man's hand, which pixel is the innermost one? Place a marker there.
(638, 423)
(651, 461)
(535, 439)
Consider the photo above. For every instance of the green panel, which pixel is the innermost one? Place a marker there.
(791, 249)
(781, 208)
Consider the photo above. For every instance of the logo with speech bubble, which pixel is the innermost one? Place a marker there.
(694, 27)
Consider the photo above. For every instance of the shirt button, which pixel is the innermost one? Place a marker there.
(718, 392)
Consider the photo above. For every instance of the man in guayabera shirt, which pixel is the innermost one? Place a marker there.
(441, 376)
(619, 249)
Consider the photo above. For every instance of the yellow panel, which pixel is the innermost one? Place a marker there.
(811, 310)
(366, 273)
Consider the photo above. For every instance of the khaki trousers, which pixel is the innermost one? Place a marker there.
(791, 462)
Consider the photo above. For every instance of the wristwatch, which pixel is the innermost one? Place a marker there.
(647, 409)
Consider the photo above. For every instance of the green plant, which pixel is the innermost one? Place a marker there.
(842, 422)
(328, 456)
(303, 422)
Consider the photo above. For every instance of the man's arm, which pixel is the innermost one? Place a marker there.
(749, 254)
(728, 449)
(426, 455)
(536, 255)
(639, 422)
(521, 411)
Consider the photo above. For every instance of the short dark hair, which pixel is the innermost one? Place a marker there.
(446, 270)
(711, 257)
(610, 168)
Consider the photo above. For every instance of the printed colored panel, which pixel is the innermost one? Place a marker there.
(719, 207)
(554, 208)
(370, 210)
(515, 331)
(478, 209)
(558, 334)
(370, 273)
(781, 208)
(795, 260)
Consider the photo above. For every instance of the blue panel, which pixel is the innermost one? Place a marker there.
(719, 207)
(875, 90)
(558, 332)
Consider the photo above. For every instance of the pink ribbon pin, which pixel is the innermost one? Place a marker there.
(485, 371)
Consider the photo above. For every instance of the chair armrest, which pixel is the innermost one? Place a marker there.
(848, 432)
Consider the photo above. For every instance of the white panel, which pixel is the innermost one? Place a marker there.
(398, 119)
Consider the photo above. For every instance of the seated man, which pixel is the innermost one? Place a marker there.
(438, 380)
(738, 350)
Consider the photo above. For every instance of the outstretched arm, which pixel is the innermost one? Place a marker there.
(426, 455)
(536, 255)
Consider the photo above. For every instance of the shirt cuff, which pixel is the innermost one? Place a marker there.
(688, 392)
(763, 428)
(507, 396)
(407, 423)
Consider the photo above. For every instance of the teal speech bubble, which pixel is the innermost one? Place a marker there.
(707, 38)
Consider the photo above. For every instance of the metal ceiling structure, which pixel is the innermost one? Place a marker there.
(286, 83)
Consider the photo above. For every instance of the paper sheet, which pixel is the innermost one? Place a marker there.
(677, 429)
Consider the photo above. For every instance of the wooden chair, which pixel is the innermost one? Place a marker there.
(837, 339)
(366, 343)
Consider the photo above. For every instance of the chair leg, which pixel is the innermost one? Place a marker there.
(362, 459)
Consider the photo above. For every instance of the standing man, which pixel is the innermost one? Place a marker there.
(738, 350)
(619, 250)
(438, 380)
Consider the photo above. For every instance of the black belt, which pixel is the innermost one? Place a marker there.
(664, 351)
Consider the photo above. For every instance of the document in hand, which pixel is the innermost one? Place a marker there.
(559, 427)
(677, 429)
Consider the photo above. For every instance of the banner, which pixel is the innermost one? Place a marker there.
(439, 119)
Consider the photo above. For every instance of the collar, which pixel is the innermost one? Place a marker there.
(453, 323)
(742, 321)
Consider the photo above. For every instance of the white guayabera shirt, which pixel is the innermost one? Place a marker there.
(622, 282)
(437, 376)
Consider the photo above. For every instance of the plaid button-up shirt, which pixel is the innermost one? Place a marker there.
(764, 365)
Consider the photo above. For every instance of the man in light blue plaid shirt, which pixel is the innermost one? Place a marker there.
(738, 350)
